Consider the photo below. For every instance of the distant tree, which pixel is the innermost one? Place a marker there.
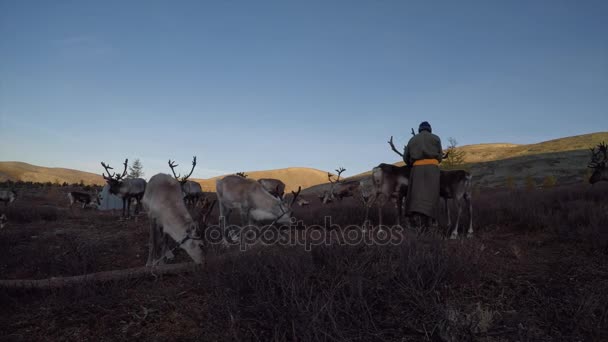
(81, 183)
(136, 170)
(549, 182)
(455, 155)
(64, 184)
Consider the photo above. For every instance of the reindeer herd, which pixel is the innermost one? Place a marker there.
(166, 199)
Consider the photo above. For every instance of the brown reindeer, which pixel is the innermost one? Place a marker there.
(598, 162)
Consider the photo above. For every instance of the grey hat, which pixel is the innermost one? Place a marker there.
(425, 126)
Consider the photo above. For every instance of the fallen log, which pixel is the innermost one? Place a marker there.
(128, 273)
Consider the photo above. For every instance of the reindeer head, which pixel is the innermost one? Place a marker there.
(599, 159)
(286, 207)
(114, 180)
(329, 196)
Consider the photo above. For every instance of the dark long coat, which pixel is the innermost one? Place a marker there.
(423, 190)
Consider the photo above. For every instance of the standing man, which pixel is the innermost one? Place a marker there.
(424, 154)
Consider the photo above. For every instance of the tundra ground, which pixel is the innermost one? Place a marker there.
(536, 270)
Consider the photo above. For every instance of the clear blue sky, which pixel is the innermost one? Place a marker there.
(251, 85)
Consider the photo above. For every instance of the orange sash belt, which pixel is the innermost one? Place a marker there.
(426, 162)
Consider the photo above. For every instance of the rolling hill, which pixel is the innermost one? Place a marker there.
(18, 171)
(291, 176)
(489, 152)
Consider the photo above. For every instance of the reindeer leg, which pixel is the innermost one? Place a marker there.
(399, 210)
(166, 253)
(380, 214)
(447, 212)
(124, 207)
(458, 202)
(129, 208)
(153, 243)
(467, 197)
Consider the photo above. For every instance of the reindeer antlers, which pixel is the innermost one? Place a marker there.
(241, 174)
(183, 180)
(595, 161)
(114, 175)
(108, 168)
(390, 142)
(295, 195)
(339, 171)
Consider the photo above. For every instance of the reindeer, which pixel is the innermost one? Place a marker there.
(454, 184)
(192, 191)
(125, 188)
(339, 189)
(253, 200)
(598, 163)
(169, 217)
(84, 198)
(390, 183)
(274, 186)
(8, 196)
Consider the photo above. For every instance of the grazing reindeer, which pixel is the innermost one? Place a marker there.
(454, 184)
(8, 196)
(125, 188)
(3, 220)
(169, 217)
(84, 198)
(192, 191)
(274, 186)
(253, 200)
(598, 163)
(339, 189)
